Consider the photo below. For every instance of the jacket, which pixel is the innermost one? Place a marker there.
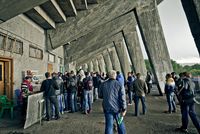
(49, 86)
(114, 97)
(139, 87)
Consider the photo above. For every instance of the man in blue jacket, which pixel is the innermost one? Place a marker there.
(120, 78)
(114, 103)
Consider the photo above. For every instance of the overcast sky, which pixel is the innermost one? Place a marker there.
(177, 33)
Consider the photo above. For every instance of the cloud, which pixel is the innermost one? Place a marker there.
(189, 60)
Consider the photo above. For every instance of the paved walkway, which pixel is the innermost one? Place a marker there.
(154, 122)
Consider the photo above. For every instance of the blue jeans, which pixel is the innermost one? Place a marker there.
(87, 100)
(109, 121)
(96, 96)
(137, 105)
(52, 101)
(60, 103)
(189, 109)
(130, 96)
(171, 102)
(73, 101)
(66, 101)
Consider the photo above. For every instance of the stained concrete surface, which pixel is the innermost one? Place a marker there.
(154, 122)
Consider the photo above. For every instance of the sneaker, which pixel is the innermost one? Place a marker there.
(130, 104)
(84, 113)
(57, 117)
(47, 119)
(167, 112)
(89, 111)
(174, 111)
(182, 130)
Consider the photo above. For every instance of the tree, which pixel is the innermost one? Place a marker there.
(148, 67)
(177, 67)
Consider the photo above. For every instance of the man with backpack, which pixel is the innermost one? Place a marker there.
(88, 87)
(49, 86)
(188, 104)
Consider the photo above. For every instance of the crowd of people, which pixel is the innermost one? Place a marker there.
(72, 92)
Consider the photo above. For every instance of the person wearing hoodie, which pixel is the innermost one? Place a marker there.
(169, 91)
(120, 78)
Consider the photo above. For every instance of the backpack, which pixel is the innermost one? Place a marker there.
(89, 84)
(188, 92)
(72, 82)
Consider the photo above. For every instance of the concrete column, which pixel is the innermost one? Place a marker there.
(101, 62)
(70, 66)
(152, 34)
(95, 65)
(134, 50)
(107, 60)
(122, 53)
(192, 11)
(85, 67)
(114, 59)
(90, 66)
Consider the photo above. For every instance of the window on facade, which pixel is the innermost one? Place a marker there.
(11, 44)
(2, 40)
(35, 52)
(51, 58)
(59, 60)
(18, 47)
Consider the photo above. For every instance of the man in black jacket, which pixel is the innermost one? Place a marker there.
(49, 86)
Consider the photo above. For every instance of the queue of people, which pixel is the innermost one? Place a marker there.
(63, 92)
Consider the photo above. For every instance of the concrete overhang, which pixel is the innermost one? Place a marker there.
(92, 1)
(98, 35)
(93, 54)
(39, 16)
(12, 8)
(86, 22)
(104, 12)
(98, 48)
(80, 4)
(68, 7)
(54, 11)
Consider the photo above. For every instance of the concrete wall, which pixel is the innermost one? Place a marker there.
(29, 33)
